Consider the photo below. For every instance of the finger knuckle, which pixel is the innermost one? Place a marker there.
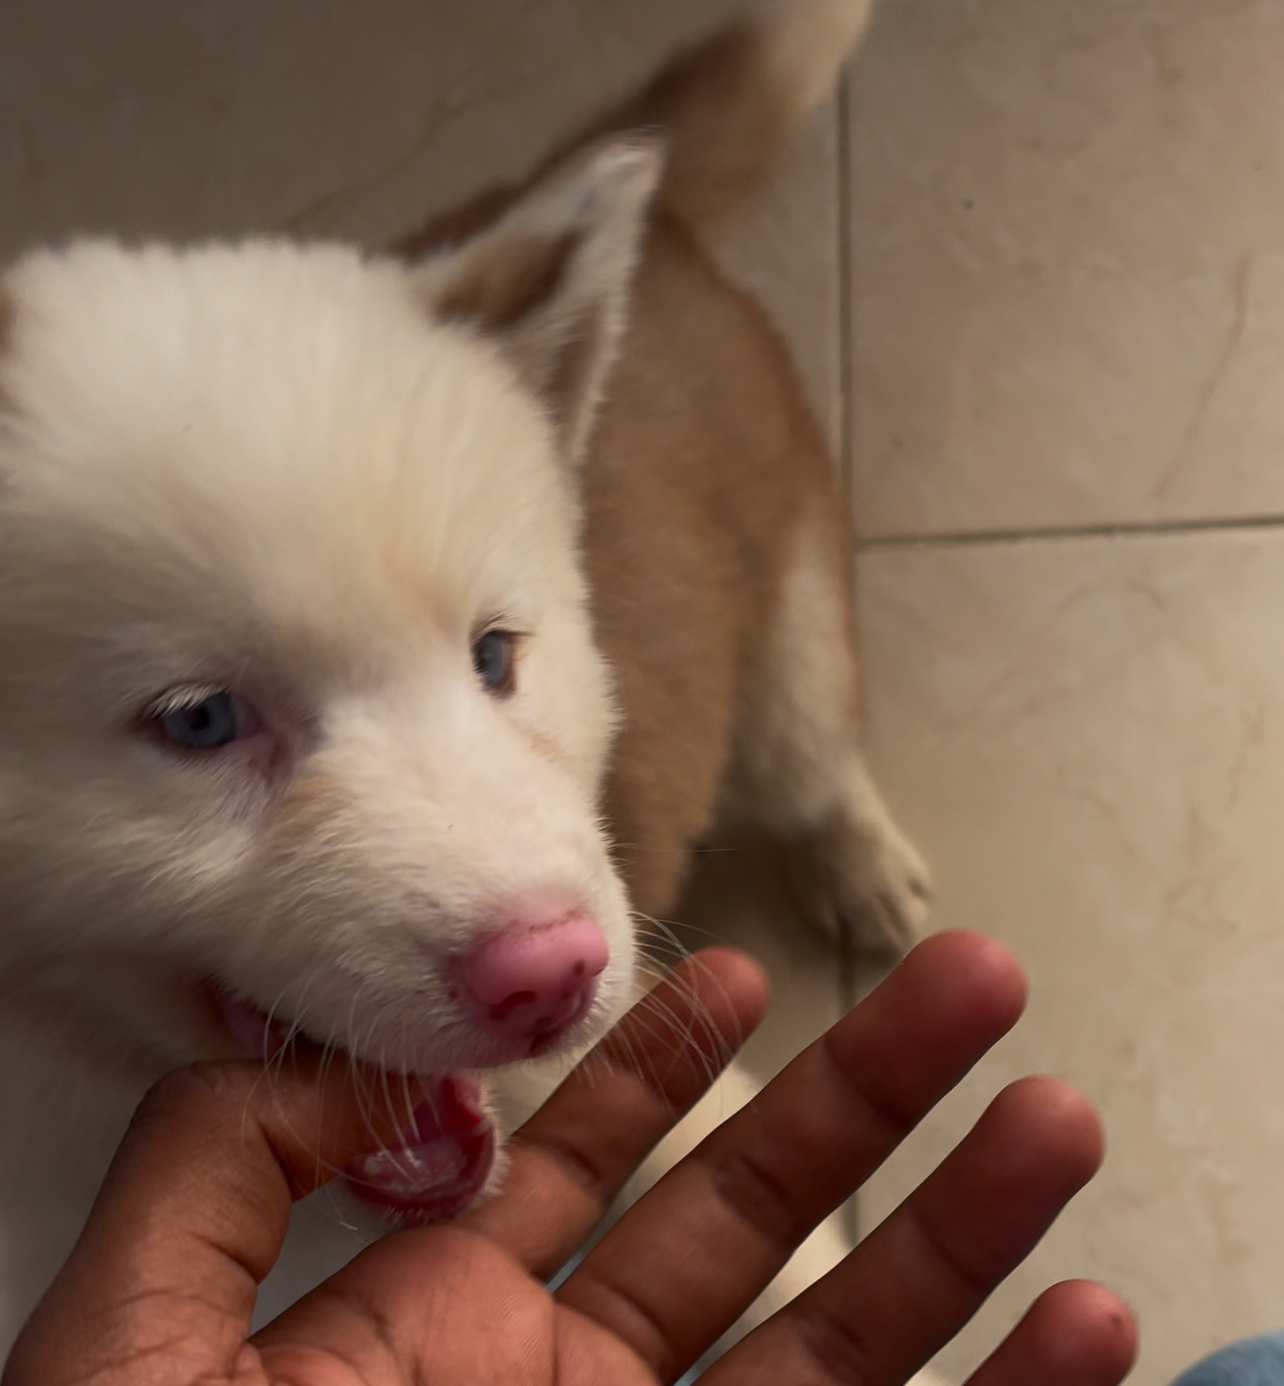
(203, 1088)
(758, 1199)
(837, 1348)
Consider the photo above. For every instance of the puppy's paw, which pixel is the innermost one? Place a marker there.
(863, 873)
(893, 883)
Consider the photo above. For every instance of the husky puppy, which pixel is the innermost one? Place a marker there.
(379, 633)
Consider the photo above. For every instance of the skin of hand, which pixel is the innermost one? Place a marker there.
(161, 1286)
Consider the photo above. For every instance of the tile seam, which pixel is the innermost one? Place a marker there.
(1156, 529)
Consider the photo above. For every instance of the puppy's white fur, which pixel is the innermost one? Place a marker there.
(269, 467)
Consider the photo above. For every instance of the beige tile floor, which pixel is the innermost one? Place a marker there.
(1034, 271)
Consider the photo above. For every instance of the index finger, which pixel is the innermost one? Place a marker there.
(191, 1217)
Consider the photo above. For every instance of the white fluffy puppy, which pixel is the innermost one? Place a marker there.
(376, 632)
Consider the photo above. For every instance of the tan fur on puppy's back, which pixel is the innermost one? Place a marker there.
(705, 454)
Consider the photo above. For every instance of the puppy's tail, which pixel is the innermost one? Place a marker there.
(728, 106)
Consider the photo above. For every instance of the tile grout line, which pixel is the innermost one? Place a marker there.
(1127, 530)
(843, 197)
(846, 466)
(847, 988)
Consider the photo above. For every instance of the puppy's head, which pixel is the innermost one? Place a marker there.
(301, 720)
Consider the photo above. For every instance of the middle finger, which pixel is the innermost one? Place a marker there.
(690, 1258)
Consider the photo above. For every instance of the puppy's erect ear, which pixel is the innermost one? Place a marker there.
(550, 281)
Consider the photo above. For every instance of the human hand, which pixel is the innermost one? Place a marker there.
(161, 1286)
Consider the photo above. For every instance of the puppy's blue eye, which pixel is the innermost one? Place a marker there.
(199, 722)
(493, 661)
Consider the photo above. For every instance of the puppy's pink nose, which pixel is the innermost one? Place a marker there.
(535, 981)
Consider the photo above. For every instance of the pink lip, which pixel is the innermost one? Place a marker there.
(446, 1157)
(257, 1036)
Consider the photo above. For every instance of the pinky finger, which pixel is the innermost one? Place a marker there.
(1077, 1333)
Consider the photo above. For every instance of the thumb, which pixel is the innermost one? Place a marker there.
(191, 1217)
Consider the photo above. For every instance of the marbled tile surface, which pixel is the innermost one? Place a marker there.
(1087, 738)
(1067, 223)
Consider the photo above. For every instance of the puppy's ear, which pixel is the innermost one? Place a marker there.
(551, 280)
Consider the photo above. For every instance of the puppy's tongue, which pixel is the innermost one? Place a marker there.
(444, 1163)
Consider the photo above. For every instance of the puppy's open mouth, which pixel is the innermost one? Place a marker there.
(445, 1157)
(443, 1165)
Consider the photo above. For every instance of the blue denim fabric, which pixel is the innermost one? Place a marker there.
(1252, 1362)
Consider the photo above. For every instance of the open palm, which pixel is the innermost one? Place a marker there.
(161, 1287)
